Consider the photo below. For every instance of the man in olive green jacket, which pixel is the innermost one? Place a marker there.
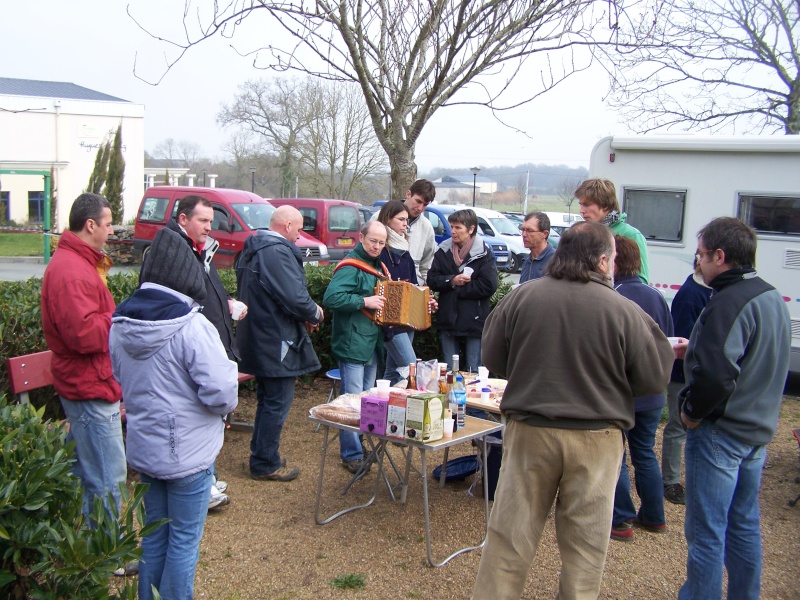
(355, 338)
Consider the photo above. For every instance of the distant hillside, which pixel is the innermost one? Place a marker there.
(544, 179)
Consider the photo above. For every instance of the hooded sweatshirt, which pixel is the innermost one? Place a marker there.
(176, 379)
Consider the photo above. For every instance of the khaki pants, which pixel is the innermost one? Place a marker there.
(577, 468)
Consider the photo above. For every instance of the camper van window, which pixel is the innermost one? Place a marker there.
(658, 214)
(771, 214)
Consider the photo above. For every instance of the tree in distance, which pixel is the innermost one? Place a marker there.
(708, 64)
(409, 59)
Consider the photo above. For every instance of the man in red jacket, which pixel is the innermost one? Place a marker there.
(76, 317)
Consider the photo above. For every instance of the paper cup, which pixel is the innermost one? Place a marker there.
(483, 373)
(674, 341)
(238, 309)
(448, 427)
(383, 387)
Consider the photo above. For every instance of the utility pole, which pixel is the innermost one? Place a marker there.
(525, 202)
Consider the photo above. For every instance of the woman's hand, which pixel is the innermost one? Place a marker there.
(460, 279)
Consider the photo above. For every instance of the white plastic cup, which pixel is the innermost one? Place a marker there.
(238, 309)
(383, 387)
(448, 427)
(468, 271)
(483, 373)
(485, 394)
(674, 341)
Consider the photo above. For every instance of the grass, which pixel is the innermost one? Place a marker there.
(21, 244)
(351, 581)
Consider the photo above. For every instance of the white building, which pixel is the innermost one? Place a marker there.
(53, 126)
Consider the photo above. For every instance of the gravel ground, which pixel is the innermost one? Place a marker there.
(265, 544)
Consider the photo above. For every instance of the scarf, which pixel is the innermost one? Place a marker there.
(610, 218)
(460, 254)
(397, 241)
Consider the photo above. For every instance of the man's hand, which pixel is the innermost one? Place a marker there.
(680, 348)
(433, 305)
(311, 327)
(374, 302)
(231, 305)
(689, 423)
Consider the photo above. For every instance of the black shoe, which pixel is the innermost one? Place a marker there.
(354, 466)
(128, 570)
(675, 493)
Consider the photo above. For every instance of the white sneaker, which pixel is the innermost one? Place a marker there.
(221, 486)
(217, 498)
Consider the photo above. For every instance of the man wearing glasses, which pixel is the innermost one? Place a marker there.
(355, 339)
(535, 231)
(735, 367)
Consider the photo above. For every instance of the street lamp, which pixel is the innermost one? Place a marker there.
(475, 171)
(253, 179)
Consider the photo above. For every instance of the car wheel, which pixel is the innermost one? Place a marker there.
(514, 264)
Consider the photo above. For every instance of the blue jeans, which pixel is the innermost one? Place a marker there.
(275, 395)
(649, 487)
(674, 437)
(723, 479)
(170, 553)
(96, 428)
(399, 354)
(451, 345)
(356, 378)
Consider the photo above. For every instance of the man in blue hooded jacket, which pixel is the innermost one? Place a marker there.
(273, 341)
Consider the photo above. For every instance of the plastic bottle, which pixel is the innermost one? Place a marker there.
(460, 393)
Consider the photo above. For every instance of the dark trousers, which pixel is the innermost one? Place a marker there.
(275, 395)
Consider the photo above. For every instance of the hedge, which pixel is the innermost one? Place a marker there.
(21, 326)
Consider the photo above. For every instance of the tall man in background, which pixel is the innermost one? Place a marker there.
(421, 239)
(736, 365)
(76, 317)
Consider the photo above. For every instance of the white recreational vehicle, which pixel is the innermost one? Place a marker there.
(670, 186)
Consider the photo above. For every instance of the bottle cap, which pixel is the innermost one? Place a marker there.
(459, 378)
(486, 389)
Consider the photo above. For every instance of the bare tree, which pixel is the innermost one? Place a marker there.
(188, 153)
(566, 191)
(168, 150)
(411, 58)
(521, 187)
(708, 64)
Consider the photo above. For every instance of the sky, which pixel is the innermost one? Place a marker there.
(95, 44)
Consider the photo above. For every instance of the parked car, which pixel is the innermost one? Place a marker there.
(237, 215)
(368, 212)
(335, 223)
(517, 218)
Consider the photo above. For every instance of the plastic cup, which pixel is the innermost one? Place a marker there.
(238, 309)
(673, 341)
(448, 427)
(383, 387)
(483, 373)
(468, 271)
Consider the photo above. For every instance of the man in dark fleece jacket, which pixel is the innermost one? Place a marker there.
(735, 366)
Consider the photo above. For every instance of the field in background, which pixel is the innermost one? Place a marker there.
(505, 203)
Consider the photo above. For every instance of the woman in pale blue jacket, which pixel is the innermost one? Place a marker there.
(178, 385)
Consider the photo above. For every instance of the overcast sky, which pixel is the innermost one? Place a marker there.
(93, 43)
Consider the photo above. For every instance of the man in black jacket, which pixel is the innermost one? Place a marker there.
(193, 223)
(275, 343)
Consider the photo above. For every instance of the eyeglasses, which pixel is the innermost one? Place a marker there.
(698, 256)
(528, 230)
(378, 243)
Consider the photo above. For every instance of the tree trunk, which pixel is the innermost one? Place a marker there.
(404, 170)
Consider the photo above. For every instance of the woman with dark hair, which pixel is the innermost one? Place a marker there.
(465, 275)
(397, 260)
(647, 412)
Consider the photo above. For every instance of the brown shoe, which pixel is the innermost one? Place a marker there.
(355, 465)
(282, 474)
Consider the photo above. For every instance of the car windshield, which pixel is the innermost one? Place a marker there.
(255, 216)
(504, 226)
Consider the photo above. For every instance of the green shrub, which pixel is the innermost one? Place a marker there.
(46, 548)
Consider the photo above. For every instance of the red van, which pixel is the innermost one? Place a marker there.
(335, 223)
(237, 215)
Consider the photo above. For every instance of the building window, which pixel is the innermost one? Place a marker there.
(658, 214)
(5, 207)
(771, 214)
(35, 207)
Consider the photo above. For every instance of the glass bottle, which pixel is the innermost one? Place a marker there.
(412, 376)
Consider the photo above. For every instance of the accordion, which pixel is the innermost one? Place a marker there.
(406, 305)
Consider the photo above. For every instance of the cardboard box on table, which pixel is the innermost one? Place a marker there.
(425, 417)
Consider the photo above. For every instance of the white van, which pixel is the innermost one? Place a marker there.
(560, 221)
(494, 223)
(671, 186)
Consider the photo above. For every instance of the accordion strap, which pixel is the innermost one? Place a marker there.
(367, 268)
